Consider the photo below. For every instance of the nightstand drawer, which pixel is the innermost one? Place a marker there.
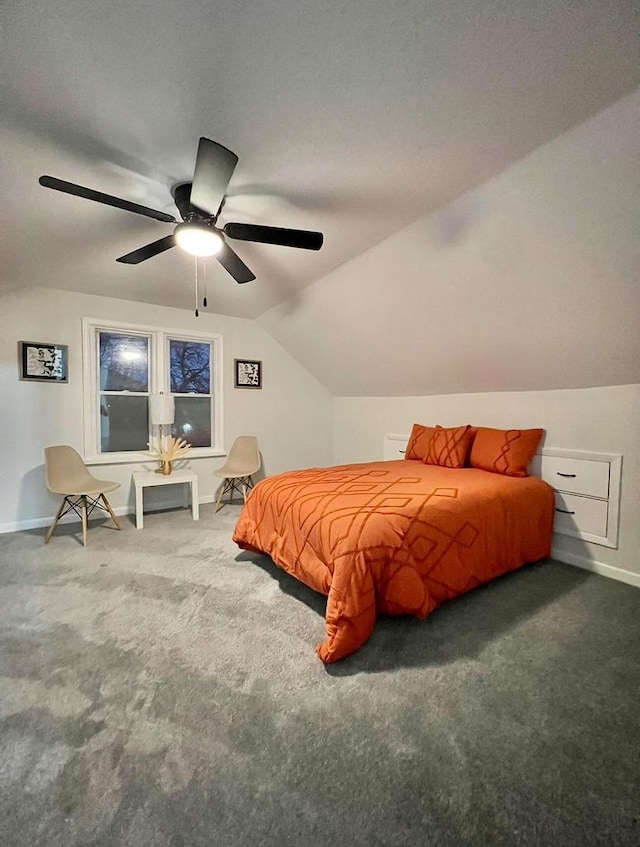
(577, 476)
(575, 515)
(395, 446)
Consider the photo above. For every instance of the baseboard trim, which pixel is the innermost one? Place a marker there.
(36, 523)
(600, 568)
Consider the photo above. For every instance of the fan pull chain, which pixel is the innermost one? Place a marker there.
(196, 263)
(204, 274)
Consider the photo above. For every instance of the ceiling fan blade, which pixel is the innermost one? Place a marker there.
(214, 168)
(107, 199)
(148, 251)
(275, 235)
(231, 262)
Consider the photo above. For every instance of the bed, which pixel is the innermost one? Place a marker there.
(394, 537)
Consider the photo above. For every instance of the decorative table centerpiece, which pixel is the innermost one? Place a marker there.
(167, 449)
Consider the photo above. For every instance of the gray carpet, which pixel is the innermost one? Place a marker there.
(161, 689)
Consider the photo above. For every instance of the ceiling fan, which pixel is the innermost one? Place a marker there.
(200, 203)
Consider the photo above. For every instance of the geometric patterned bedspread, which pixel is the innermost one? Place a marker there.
(394, 537)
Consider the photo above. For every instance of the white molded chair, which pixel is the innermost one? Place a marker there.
(243, 460)
(68, 475)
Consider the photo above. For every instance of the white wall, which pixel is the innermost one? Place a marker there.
(292, 415)
(603, 420)
(529, 282)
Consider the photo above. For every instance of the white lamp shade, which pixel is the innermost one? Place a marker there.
(161, 409)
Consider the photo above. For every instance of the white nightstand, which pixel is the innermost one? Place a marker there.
(394, 447)
(146, 479)
(587, 487)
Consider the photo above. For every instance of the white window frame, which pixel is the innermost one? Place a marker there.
(158, 381)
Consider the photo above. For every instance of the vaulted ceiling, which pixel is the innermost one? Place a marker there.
(354, 117)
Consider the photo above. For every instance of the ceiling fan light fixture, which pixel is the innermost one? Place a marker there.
(198, 239)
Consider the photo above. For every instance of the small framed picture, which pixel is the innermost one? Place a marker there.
(43, 362)
(248, 373)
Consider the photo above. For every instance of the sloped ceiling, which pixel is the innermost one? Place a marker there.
(531, 281)
(354, 117)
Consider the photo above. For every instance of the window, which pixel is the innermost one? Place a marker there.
(124, 364)
(124, 385)
(190, 384)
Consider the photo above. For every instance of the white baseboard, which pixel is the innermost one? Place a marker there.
(35, 523)
(601, 568)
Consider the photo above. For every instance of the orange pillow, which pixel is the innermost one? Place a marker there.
(449, 447)
(504, 451)
(418, 443)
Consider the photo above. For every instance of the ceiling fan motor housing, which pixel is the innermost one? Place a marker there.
(182, 196)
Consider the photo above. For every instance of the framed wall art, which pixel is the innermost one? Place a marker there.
(40, 361)
(248, 373)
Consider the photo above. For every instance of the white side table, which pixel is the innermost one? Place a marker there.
(145, 479)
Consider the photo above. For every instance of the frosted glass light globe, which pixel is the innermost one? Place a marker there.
(198, 239)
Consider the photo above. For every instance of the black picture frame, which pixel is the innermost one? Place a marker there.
(41, 361)
(247, 373)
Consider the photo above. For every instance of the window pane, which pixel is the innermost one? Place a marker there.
(124, 423)
(124, 362)
(190, 367)
(193, 420)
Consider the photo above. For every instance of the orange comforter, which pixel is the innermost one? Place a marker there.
(394, 537)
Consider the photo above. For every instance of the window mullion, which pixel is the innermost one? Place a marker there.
(160, 363)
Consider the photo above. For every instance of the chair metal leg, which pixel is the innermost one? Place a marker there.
(47, 537)
(84, 521)
(240, 484)
(110, 510)
(222, 490)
